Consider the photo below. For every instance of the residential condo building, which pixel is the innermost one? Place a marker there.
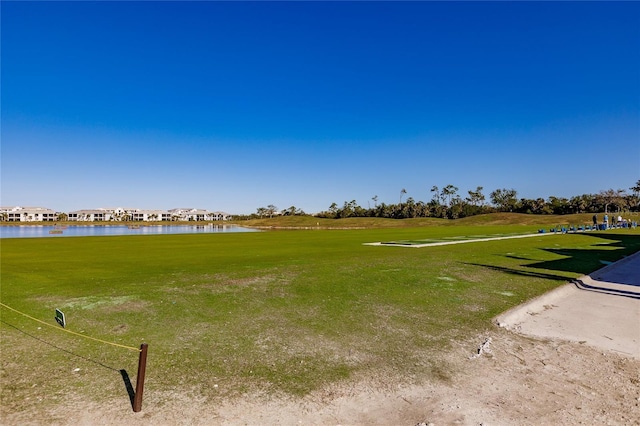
(117, 214)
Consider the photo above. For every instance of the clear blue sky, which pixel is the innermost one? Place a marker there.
(234, 106)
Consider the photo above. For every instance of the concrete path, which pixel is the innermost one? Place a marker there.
(601, 309)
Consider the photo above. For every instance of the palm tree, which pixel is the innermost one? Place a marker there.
(449, 191)
(402, 192)
(636, 192)
(435, 190)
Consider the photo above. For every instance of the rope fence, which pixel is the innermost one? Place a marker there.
(131, 348)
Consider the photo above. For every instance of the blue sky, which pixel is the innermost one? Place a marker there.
(237, 105)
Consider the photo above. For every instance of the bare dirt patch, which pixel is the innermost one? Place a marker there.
(514, 380)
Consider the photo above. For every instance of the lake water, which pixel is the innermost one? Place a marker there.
(37, 231)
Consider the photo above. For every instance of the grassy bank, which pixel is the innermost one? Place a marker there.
(280, 312)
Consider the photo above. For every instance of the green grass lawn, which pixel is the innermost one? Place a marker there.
(284, 312)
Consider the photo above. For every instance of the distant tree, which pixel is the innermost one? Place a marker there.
(612, 197)
(436, 193)
(446, 203)
(271, 209)
(635, 198)
(291, 211)
(359, 211)
(456, 207)
(476, 197)
(579, 203)
(530, 206)
(558, 205)
(449, 192)
(333, 210)
(436, 205)
(409, 209)
(347, 209)
(504, 199)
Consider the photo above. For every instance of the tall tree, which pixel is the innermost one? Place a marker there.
(476, 197)
(448, 192)
(261, 211)
(402, 192)
(636, 194)
(504, 199)
(612, 197)
(333, 209)
(436, 193)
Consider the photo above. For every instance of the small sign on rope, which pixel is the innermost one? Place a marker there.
(60, 318)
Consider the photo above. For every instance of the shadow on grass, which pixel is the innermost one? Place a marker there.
(123, 373)
(514, 271)
(587, 261)
(577, 261)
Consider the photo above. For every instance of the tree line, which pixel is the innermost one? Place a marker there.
(447, 203)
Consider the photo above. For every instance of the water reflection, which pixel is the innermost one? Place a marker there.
(37, 231)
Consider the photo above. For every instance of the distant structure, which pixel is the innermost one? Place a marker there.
(117, 214)
(27, 214)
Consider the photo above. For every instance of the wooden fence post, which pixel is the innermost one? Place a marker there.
(142, 366)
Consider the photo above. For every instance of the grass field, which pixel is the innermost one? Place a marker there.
(282, 312)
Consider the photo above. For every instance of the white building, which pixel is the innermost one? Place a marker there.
(41, 214)
(220, 216)
(191, 214)
(27, 214)
(150, 215)
(90, 215)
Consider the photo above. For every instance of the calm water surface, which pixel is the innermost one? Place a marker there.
(37, 231)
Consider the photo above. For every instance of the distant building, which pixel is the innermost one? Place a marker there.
(191, 214)
(150, 215)
(97, 215)
(118, 214)
(27, 214)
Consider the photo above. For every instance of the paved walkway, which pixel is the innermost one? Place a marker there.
(601, 309)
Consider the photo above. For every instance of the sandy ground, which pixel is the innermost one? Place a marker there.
(504, 379)
(569, 357)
